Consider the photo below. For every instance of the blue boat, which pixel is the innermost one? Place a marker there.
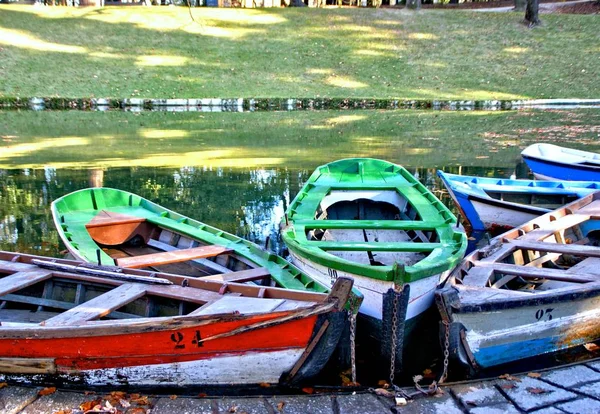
(533, 290)
(499, 204)
(551, 162)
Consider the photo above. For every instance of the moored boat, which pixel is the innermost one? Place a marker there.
(107, 226)
(551, 162)
(534, 290)
(67, 323)
(373, 221)
(499, 204)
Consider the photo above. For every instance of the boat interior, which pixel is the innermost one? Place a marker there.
(561, 253)
(545, 200)
(363, 213)
(50, 293)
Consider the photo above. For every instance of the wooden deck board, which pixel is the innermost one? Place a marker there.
(99, 306)
(20, 280)
(175, 256)
(241, 275)
(574, 249)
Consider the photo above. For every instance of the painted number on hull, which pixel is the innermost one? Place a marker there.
(332, 275)
(544, 314)
(177, 337)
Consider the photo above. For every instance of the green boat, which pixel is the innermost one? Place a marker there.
(373, 221)
(110, 227)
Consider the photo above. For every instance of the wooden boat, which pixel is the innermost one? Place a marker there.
(499, 204)
(106, 226)
(373, 221)
(534, 290)
(551, 162)
(67, 323)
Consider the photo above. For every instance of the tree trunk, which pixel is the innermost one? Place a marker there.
(531, 14)
(520, 5)
(413, 4)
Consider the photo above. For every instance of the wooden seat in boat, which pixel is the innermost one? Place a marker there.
(174, 256)
(113, 228)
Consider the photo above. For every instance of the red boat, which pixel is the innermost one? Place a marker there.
(70, 323)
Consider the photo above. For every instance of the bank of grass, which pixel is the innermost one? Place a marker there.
(159, 52)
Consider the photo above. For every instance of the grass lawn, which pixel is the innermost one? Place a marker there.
(159, 52)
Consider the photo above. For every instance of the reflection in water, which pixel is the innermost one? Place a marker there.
(247, 202)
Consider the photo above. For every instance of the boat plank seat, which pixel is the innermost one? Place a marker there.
(592, 209)
(243, 305)
(478, 276)
(106, 218)
(241, 276)
(202, 262)
(375, 246)
(200, 296)
(99, 306)
(369, 224)
(573, 249)
(552, 227)
(587, 265)
(20, 280)
(540, 273)
(175, 256)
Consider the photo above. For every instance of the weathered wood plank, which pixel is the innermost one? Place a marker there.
(229, 304)
(202, 262)
(174, 256)
(99, 306)
(27, 366)
(20, 280)
(548, 229)
(574, 249)
(241, 276)
(184, 293)
(536, 272)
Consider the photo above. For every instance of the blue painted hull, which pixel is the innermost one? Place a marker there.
(467, 190)
(560, 171)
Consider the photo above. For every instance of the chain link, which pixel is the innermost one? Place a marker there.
(394, 336)
(353, 344)
(446, 351)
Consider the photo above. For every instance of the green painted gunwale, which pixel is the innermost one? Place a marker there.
(372, 174)
(73, 211)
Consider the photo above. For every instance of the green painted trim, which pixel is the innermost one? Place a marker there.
(364, 174)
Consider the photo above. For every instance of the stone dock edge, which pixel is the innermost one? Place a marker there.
(282, 104)
(572, 389)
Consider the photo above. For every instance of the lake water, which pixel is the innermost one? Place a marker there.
(239, 171)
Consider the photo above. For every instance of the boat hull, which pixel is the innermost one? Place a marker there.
(421, 291)
(548, 170)
(172, 357)
(501, 333)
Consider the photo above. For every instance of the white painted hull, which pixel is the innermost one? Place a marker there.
(249, 368)
(421, 291)
(494, 215)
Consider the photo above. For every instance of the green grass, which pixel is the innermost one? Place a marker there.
(295, 140)
(158, 52)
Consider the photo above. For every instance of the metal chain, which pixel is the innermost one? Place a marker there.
(394, 335)
(353, 344)
(446, 351)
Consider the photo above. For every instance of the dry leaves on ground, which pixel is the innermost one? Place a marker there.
(47, 391)
(534, 375)
(536, 390)
(510, 377)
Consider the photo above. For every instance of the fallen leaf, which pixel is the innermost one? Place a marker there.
(232, 409)
(125, 403)
(509, 377)
(67, 411)
(591, 347)
(280, 406)
(137, 410)
(47, 391)
(508, 386)
(383, 384)
(534, 374)
(308, 390)
(142, 400)
(88, 405)
(172, 397)
(202, 395)
(3, 384)
(536, 390)
(384, 393)
(264, 385)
